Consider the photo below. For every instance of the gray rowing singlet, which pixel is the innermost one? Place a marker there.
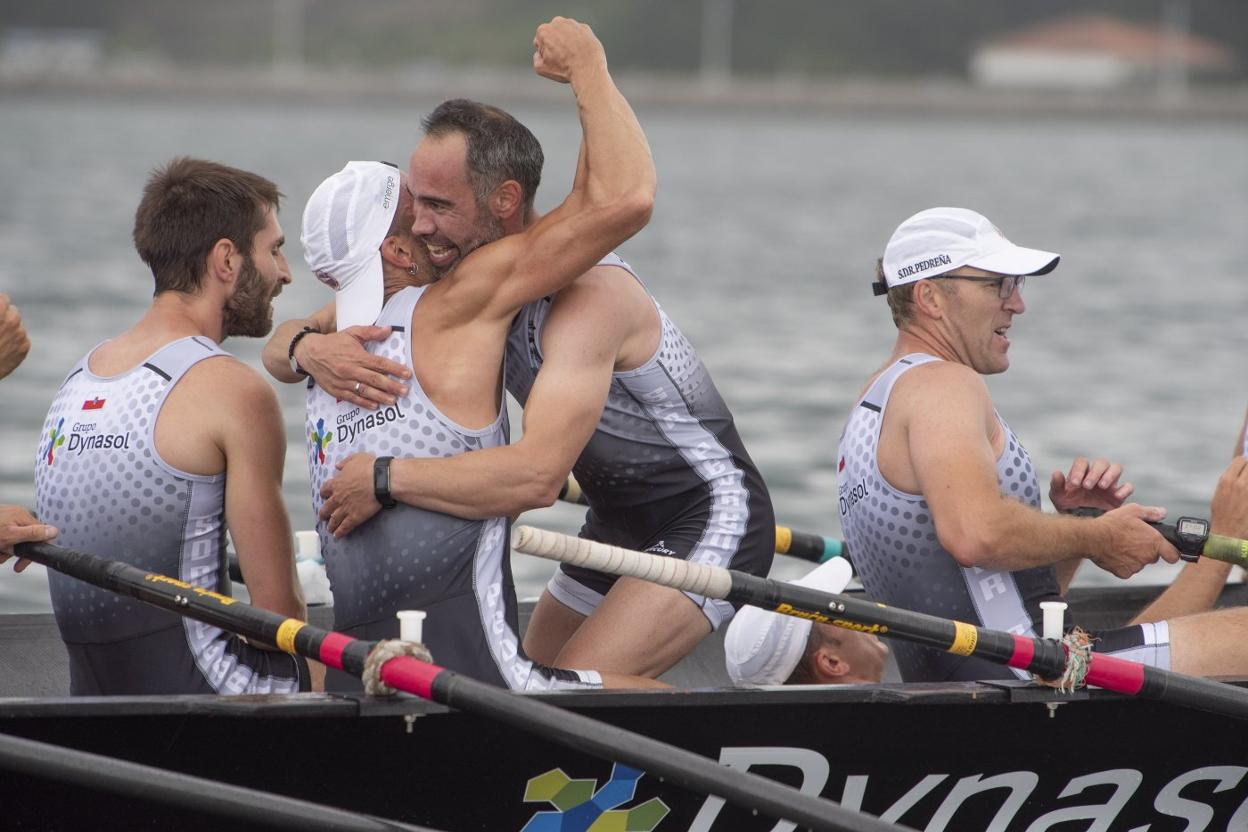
(664, 471)
(101, 482)
(458, 571)
(900, 560)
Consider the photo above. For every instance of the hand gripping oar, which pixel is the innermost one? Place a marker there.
(812, 547)
(1044, 657)
(428, 681)
(1190, 535)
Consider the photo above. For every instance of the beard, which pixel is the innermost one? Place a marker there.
(249, 311)
(486, 233)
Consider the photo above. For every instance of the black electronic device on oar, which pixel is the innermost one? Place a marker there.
(1190, 535)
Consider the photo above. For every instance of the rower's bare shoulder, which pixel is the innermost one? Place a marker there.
(945, 385)
(228, 383)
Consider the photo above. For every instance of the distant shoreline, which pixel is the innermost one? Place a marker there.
(935, 97)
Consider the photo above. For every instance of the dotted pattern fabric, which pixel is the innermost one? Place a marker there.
(892, 539)
(99, 479)
(456, 570)
(664, 470)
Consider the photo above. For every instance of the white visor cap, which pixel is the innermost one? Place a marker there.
(344, 224)
(940, 240)
(764, 648)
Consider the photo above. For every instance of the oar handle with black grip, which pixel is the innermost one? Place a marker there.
(1190, 535)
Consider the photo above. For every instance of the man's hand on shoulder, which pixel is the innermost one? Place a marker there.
(1089, 485)
(563, 46)
(342, 367)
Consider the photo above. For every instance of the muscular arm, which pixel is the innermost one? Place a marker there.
(251, 437)
(580, 341)
(948, 420)
(611, 198)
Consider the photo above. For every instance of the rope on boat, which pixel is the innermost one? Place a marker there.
(1078, 646)
(386, 650)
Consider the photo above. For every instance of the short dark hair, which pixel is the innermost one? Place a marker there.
(499, 147)
(190, 204)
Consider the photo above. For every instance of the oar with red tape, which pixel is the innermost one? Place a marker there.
(428, 681)
(1046, 658)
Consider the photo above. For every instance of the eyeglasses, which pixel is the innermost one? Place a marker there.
(1006, 284)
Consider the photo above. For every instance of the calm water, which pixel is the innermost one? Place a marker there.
(761, 247)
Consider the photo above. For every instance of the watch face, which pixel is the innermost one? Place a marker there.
(1193, 527)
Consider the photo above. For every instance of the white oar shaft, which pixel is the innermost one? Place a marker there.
(697, 578)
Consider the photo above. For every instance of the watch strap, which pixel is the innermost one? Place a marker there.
(381, 481)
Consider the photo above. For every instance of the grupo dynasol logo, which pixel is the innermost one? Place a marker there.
(580, 806)
(321, 437)
(56, 438)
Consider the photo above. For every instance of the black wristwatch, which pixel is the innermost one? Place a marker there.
(290, 353)
(381, 481)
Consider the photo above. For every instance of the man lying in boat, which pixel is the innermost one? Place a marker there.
(612, 389)
(448, 337)
(767, 648)
(134, 467)
(939, 501)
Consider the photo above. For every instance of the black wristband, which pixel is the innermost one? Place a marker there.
(381, 481)
(290, 353)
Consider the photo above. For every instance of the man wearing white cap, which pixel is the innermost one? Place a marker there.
(938, 499)
(766, 648)
(448, 337)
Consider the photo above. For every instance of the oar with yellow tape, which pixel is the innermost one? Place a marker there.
(437, 684)
(1047, 658)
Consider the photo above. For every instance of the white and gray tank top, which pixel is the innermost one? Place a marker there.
(895, 550)
(665, 453)
(101, 481)
(370, 570)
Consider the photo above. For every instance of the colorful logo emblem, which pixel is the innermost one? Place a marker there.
(321, 437)
(55, 440)
(93, 403)
(582, 809)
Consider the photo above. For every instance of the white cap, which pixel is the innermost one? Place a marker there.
(762, 647)
(344, 224)
(940, 240)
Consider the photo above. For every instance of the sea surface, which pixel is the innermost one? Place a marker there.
(762, 248)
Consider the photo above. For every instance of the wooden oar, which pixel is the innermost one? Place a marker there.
(189, 794)
(805, 545)
(1045, 657)
(428, 681)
